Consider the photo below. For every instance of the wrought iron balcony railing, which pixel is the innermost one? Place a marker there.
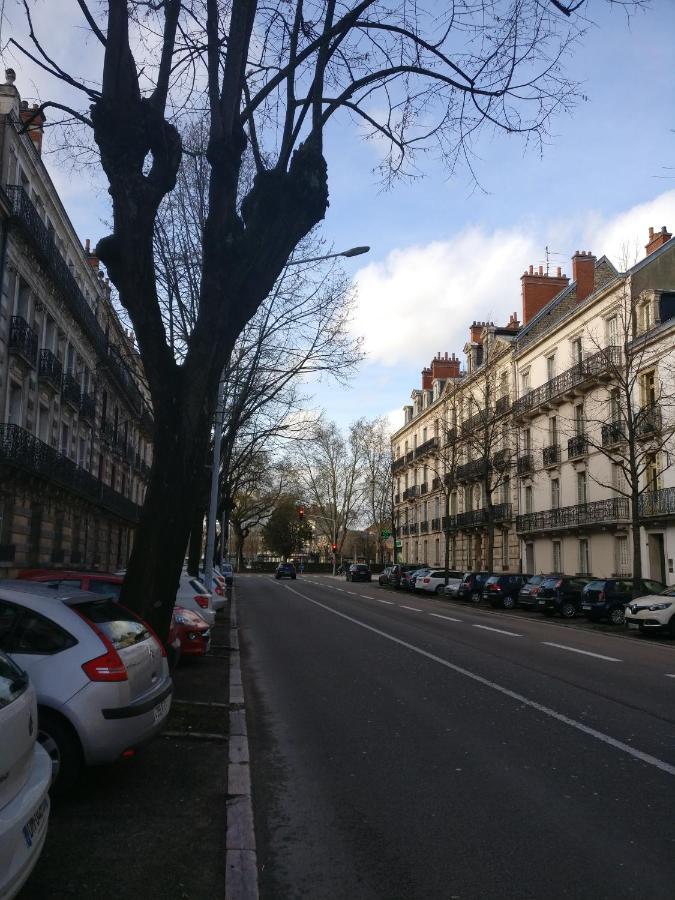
(473, 470)
(398, 464)
(501, 459)
(648, 421)
(49, 369)
(657, 503)
(550, 456)
(409, 456)
(71, 390)
(612, 433)
(593, 366)
(436, 524)
(412, 528)
(411, 492)
(449, 523)
(577, 446)
(424, 527)
(21, 449)
(426, 447)
(474, 518)
(599, 512)
(502, 406)
(23, 340)
(424, 488)
(525, 464)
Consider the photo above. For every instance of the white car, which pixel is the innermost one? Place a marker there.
(192, 594)
(433, 581)
(655, 612)
(217, 591)
(25, 776)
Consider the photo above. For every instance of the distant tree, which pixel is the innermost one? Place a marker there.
(375, 447)
(284, 532)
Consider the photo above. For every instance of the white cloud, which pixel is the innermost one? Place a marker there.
(422, 299)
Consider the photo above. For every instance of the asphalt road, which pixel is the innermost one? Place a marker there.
(406, 747)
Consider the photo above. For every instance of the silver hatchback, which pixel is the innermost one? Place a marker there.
(100, 673)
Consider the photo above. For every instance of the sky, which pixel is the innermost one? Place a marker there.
(444, 251)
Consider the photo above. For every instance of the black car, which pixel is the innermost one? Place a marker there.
(471, 587)
(358, 572)
(528, 596)
(502, 590)
(607, 598)
(408, 577)
(385, 575)
(562, 594)
(285, 570)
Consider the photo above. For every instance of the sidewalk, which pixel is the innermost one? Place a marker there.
(152, 826)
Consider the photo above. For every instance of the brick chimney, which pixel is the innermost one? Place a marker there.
(583, 272)
(538, 289)
(513, 323)
(476, 330)
(657, 239)
(444, 367)
(92, 258)
(427, 378)
(37, 119)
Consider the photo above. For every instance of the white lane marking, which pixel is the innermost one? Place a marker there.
(447, 618)
(388, 602)
(585, 652)
(411, 608)
(670, 676)
(353, 593)
(367, 596)
(498, 630)
(519, 698)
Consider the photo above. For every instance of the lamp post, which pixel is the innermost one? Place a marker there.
(218, 434)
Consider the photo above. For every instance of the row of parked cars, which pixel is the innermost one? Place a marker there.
(637, 602)
(83, 681)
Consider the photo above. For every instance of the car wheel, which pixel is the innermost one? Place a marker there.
(568, 610)
(616, 616)
(475, 597)
(440, 589)
(509, 602)
(63, 747)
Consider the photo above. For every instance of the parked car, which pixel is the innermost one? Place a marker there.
(192, 594)
(409, 578)
(358, 572)
(502, 590)
(398, 571)
(193, 632)
(227, 572)
(452, 587)
(562, 594)
(285, 570)
(655, 612)
(607, 598)
(471, 586)
(100, 583)
(433, 580)
(385, 575)
(217, 590)
(528, 595)
(101, 675)
(25, 776)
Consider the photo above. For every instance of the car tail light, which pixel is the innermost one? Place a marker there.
(494, 587)
(202, 600)
(426, 580)
(108, 667)
(219, 590)
(535, 590)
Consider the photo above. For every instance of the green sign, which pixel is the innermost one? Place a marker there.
(386, 534)
(399, 544)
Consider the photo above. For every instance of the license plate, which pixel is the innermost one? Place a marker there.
(33, 825)
(541, 603)
(161, 710)
(633, 624)
(585, 605)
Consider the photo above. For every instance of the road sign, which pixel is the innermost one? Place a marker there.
(386, 534)
(399, 544)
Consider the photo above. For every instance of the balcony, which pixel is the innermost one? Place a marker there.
(648, 421)
(424, 527)
(88, 407)
(409, 456)
(502, 406)
(473, 470)
(26, 216)
(577, 446)
(599, 514)
(70, 390)
(478, 518)
(23, 341)
(657, 503)
(427, 447)
(525, 464)
(398, 464)
(412, 528)
(612, 434)
(550, 456)
(435, 484)
(49, 370)
(22, 450)
(411, 492)
(592, 368)
(403, 530)
(449, 523)
(501, 460)
(424, 489)
(108, 434)
(477, 421)
(436, 524)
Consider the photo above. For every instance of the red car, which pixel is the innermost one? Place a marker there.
(193, 632)
(101, 583)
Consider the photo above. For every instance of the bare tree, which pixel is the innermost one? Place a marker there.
(375, 441)
(270, 78)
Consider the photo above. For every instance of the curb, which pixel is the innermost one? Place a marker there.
(241, 864)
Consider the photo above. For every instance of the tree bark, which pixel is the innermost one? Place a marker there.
(196, 536)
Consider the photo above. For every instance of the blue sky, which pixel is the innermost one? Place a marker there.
(444, 253)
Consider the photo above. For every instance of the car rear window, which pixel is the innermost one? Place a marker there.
(198, 587)
(13, 682)
(552, 583)
(119, 625)
(105, 587)
(595, 586)
(493, 579)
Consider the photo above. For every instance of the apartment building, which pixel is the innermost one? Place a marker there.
(75, 421)
(536, 453)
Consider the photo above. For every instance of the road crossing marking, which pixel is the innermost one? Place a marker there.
(498, 630)
(506, 692)
(585, 652)
(447, 618)
(411, 608)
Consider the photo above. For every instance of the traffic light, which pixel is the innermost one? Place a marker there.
(301, 512)
(334, 547)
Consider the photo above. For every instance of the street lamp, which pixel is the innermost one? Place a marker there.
(218, 432)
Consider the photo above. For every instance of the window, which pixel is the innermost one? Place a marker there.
(506, 490)
(612, 331)
(527, 440)
(550, 367)
(437, 507)
(647, 316)
(618, 478)
(579, 424)
(505, 548)
(36, 634)
(424, 435)
(8, 617)
(649, 388)
(15, 416)
(584, 567)
(65, 439)
(437, 552)
(577, 351)
(621, 564)
(43, 423)
(525, 381)
(652, 472)
(528, 499)
(553, 431)
(555, 494)
(615, 405)
(557, 556)
(582, 488)
(425, 559)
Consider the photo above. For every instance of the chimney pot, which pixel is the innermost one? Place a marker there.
(651, 232)
(657, 239)
(558, 272)
(531, 270)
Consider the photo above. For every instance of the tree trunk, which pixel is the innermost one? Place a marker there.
(196, 536)
(635, 523)
(446, 538)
